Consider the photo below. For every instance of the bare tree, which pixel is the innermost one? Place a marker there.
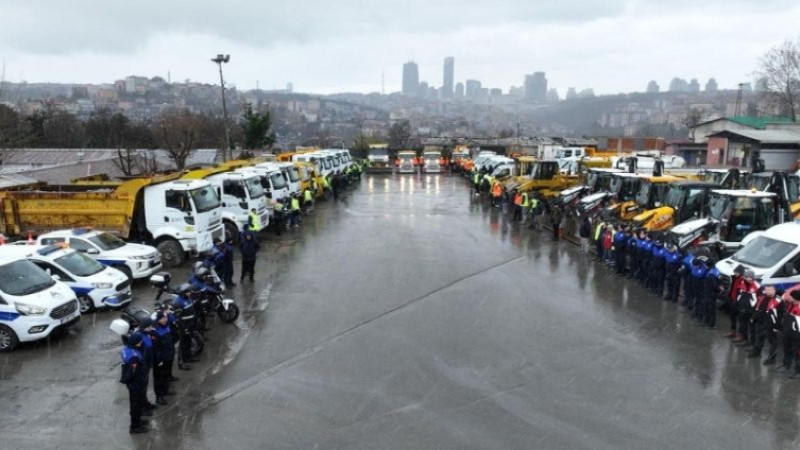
(693, 117)
(178, 132)
(780, 68)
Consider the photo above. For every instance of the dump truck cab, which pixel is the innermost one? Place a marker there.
(406, 161)
(272, 181)
(240, 193)
(378, 157)
(684, 200)
(292, 176)
(432, 158)
(732, 214)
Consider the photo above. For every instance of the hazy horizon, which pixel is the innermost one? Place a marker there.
(615, 47)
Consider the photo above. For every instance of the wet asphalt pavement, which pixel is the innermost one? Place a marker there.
(411, 316)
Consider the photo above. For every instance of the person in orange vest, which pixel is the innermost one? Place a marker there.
(497, 193)
(517, 205)
(397, 162)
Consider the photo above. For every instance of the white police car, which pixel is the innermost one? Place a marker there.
(134, 260)
(32, 304)
(95, 285)
(773, 256)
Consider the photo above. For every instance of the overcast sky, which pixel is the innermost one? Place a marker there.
(325, 46)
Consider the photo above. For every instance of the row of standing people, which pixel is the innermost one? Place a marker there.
(758, 314)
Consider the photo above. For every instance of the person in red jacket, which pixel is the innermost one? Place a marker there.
(745, 302)
(608, 242)
(765, 319)
(790, 325)
(737, 283)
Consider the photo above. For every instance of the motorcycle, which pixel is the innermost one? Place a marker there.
(207, 294)
(194, 327)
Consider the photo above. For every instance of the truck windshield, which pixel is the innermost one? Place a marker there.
(327, 163)
(79, 264)
(794, 189)
(293, 175)
(205, 199)
(713, 177)
(644, 194)
(254, 187)
(335, 160)
(761, 183)
(718, 206)
(675, 197)
(278, 182)
(378, 153)
(763, 252)
(107, 241)
(23, 278)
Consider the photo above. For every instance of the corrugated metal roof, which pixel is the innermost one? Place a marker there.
(15, 180)
(759, 122)
(765, 136)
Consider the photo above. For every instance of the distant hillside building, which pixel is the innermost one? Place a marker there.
(449, 75)
(653, 87)
(711, 85)
(410, 78)
(536, 87)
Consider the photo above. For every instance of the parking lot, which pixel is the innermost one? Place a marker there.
(411, 315)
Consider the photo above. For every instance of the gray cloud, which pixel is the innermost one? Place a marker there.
(55, 27)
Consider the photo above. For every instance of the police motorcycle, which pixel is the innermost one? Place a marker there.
(207, 294)
(181, 321)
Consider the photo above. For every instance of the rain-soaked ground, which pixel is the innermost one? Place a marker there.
(410, 316)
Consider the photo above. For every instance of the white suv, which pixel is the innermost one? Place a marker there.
(134, 260)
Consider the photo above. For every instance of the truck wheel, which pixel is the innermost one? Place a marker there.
(8, 339)
(231, 232)
(85, 303)
(171, 253)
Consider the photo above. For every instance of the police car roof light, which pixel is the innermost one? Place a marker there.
(51, 248)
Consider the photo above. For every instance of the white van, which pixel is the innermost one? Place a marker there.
(32, 304)
(95, 285)
(134, 260)
(773, 256)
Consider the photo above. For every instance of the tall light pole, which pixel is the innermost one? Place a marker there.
(219, 60)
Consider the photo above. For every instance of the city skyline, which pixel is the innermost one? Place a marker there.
(54, 42)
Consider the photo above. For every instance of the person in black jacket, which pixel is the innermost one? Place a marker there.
(227, 261)
(163, 357)
(585, 232)
(134, 377)
(249, 247)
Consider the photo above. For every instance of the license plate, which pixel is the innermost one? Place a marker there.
(68, 318)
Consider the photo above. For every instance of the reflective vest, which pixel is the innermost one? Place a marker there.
(497, 191)
(600, 227)
(307, 195)
(525, 202)
(255, 222)
(477, 178)
(278, 207)
(295, 204)
(534, 203)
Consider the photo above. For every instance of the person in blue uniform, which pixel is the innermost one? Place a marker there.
(672, 264)
(134, 377)
(163, 357)
(712, 288)
(655, 282)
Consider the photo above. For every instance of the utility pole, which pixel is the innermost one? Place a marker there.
(219, 60)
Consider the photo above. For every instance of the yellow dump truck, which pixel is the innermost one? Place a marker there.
(178, 217)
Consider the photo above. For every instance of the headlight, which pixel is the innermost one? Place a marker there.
(29, 310)
(102, 285)
(141, 258)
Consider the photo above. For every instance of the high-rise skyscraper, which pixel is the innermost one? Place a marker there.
(536, 87)
(472, 88)
(410, 78)
(449, 75)
(459, 89)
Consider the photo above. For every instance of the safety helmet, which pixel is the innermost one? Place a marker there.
(197, 266)
(202, 272)
(184, 288)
